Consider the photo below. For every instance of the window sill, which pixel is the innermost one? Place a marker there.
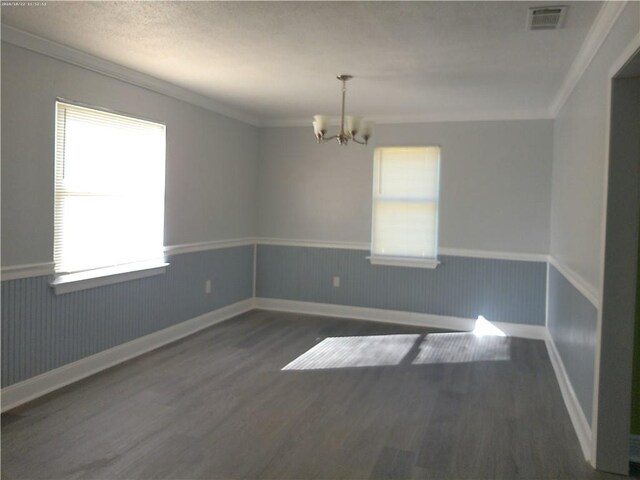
(404, 261)
(73, 282)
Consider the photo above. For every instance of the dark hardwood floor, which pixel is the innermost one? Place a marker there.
(387, 402)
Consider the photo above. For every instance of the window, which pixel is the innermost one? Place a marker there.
(109, 190)
(405, 206)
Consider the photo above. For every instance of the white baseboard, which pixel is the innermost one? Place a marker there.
(537, 332)
(634, 448)
(580, 423)
(35, 387)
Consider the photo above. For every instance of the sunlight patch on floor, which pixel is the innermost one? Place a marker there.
(462, 347)
(364, 351)
(484, 327)
(485, 343)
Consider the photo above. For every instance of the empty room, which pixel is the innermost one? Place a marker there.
(320, 240)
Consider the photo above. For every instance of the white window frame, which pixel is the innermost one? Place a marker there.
(107, 275)
(398, 260)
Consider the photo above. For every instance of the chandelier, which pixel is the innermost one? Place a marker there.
(349, 126)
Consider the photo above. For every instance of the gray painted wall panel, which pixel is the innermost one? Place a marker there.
(495, 183)
(572, 323)
(211, 169)
(579, 156)
(42, 331)
(501, 290)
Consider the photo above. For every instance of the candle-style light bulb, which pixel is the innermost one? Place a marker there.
(352, 124)
(322, 121)
(367, 129)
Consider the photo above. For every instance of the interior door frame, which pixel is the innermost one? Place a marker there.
(620, 234)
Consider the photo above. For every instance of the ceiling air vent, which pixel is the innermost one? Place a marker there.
(546, 18)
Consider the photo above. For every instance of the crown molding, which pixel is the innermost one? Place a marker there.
(90, 62)
(602, 25)
(432, 117)
(624, 58)
(594, 39)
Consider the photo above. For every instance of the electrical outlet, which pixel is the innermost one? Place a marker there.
(336, 281)
(207, 286)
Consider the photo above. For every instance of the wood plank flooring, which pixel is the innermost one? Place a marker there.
(218, 405)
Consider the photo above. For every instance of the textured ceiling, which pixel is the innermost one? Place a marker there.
(278, 60)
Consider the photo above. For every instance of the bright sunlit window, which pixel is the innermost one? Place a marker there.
(405, 206)
(109, 189)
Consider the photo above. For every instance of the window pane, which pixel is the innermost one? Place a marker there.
(404, 229)
(405, 202)
(408, 172)
(109, 207)
(103, 158)
(100, 231)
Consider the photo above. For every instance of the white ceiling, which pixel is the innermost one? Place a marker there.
(277, 61)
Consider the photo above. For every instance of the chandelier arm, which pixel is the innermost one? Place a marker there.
(358, 141)
(344, 94)
(329, 138)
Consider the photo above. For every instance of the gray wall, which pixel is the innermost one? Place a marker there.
(579, 156)
(211, 175)
(211, 180)
(577, 207)
(495, 184)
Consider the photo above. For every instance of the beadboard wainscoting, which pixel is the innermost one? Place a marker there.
(572, 325)
(42, 331)
(508, 291)
(51, 340)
